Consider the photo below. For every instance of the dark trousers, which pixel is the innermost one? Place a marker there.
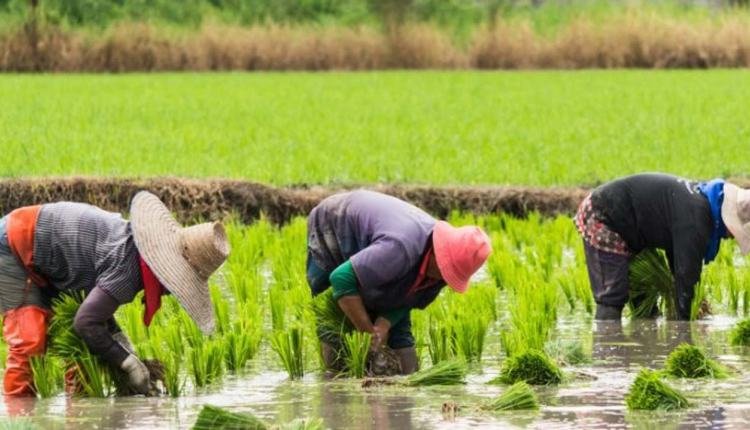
(608, 274)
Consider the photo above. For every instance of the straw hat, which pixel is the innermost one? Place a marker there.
(459, 252)
(182, 258)
(735, 211)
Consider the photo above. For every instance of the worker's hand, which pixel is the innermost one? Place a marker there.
(138, 376)
(380, 333)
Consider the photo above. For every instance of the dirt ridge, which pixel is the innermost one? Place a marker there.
(203, 199)
(193, 199)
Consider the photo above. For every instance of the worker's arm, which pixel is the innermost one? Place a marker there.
(345, 293)
(91, 323)
(344, 284)
(687, 265)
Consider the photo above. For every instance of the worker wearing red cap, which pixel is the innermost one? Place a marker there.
(383, 257)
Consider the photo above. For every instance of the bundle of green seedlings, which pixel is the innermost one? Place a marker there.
(689, 361)
(450, 372)
(215, 418)
(650, 280)
(648, 392)
(93, 377)
(519, 396)
(532, 366)
(740, 335)
(48, 376)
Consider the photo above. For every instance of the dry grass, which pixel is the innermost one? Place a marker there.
(630, 40)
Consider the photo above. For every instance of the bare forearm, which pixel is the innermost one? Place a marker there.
(355, 310)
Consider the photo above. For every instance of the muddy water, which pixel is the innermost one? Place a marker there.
(617, 351)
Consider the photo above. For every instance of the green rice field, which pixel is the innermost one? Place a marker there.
(535, 128)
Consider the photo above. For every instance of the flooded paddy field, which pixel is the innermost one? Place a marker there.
(536, 274)
(618, 351)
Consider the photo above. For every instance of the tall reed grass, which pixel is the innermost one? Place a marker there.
(632, 38)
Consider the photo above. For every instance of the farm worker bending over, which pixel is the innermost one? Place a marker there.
(63, 247)
(383, 257)
(684, 218)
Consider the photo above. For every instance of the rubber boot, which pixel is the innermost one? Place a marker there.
(605, 312)
(408, 358)
(25, 332)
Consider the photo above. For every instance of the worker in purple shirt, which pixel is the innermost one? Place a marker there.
(383, 257)
(55, 248)
(687, 219)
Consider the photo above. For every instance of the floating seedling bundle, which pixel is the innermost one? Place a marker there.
(740, 335)
(215, 418)
(520, 396)
(212, 417)
(689, 361)
(648, 392)
(451, 372)
(531, 366)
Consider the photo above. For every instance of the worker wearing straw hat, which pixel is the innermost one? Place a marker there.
(383, 257)
(65, 247)
(686, 219)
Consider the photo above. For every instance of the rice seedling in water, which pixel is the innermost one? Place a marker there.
(649, 281)
(520, 396)
(212, 418)
(207, 362)
(356, 348)
(288, 344)
(648, 392)
(241, 344)
(531, 366)
(47, 372)
(740, 335)
(689, 361)
(452, 372)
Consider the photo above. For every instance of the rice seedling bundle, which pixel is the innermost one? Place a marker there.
(47, 372)
(740, 335)
(214, 418)
(650, 280)
(648, 392)
(452, 372)
(689, 361)
(520, 396)
(329, 317)
(94, 378)
(532, 366)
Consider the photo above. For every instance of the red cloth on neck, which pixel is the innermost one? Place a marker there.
(152, 292)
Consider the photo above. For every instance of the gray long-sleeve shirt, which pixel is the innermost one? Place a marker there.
(79, 247)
